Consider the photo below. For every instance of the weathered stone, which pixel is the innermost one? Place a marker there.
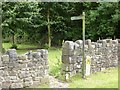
(35, 83)
(29, 55)
(68, 48)
(1, 72)
(36, 78)
(28, 83)
(16, 85)
(2, 79)
(23, 74)
(1, 63)
(5, 73)
(44, 54)
(5, 58)
(36, 55)
(6, 84)
(22, 57)
(68, 59)
(12, 54)
(44, 80)
(67, 67)
(0, 85)
(12, 73)
(28, 79)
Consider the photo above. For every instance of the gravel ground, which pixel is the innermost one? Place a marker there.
(55, 83)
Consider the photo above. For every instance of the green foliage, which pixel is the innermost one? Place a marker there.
(46, 46)
(3, 50)
(55, 61)
(14, 46)
(28, 21)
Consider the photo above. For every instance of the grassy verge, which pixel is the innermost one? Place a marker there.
(105, 79)
(54, 61)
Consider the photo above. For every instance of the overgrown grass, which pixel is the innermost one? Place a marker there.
(54, 61)
(105, 79)
(20, 46)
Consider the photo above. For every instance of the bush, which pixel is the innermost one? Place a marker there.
(46, 46)
(14, 46)
(3, 50)
(6, 40)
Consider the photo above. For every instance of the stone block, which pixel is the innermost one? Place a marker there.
(36, 83)
(68, 48)
(27, 83)
(44, 54)
(44, 80)
(1, 63)
(79, 42)
(67, 67)
(22, 57)
(29, 55)
(24, 74)
(5, 58)
(30, 64)
(67, 59)
(28, 79)
(12, 73)
(0, 85)
(2, 79)
(16, 85)
(78, 59)
(36, 78)
(36, 55)
(5, 73)
(6, 84)
(12, 54)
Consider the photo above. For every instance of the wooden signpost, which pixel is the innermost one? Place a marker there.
(0, 30)
(83, 26)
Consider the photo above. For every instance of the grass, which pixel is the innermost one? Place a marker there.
(22, 48)
(106, 79)
(54, 61)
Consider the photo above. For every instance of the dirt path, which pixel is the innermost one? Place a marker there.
(55, 83)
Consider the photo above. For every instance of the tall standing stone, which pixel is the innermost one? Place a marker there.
(12, 54)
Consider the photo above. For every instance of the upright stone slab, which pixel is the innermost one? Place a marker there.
(68, 48)
(12, 54)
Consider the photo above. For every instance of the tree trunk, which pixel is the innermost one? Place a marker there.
(0, 42)
(49, 31)
(0, 32)
(13, 39)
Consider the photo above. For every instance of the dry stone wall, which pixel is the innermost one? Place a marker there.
(103, 53)
(19, 71)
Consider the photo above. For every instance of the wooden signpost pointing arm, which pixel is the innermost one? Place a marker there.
(83, 32)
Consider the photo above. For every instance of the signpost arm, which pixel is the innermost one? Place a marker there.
(83, 61)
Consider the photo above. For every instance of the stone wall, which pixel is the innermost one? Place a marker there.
(19, 71)
(103, 54)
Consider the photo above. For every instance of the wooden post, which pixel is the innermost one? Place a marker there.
(49, 32)
(83, 61)
(0, 29)
(83, 32)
